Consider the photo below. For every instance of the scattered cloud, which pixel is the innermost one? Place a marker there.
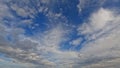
(100, 31)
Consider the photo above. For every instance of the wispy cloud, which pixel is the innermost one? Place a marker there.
(103, 45)
(100, 31)
(42, 49)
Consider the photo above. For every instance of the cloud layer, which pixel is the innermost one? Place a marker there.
(98, 35)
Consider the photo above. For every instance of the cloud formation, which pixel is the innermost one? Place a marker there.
(102, 47)
(100, 31)
(41, 50)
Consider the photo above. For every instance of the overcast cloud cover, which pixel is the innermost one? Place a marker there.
(42, 34)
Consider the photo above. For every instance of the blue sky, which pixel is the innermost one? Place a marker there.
(59, 33)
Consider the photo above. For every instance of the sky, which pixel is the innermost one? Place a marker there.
(59, 33)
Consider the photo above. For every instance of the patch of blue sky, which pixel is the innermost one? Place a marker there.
(39, 24)
(68, 9)
(41, 20)
(65, 45)
(112, 4)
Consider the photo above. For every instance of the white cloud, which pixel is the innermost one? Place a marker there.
(22, 50)
(98, 23)
(101, 18)
(102, 45)
(41, 51)
(31, 49)
(76, 41)
(101, 33)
